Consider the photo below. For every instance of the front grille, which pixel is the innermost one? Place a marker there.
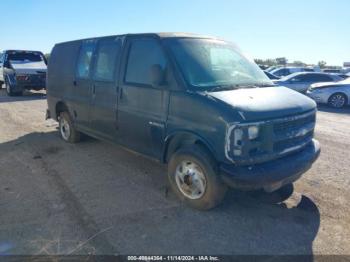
(292, 124)
(292, 143)
(293, 132)
(277, 138)
(31, 79)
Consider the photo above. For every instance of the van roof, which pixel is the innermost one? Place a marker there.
(160, 35)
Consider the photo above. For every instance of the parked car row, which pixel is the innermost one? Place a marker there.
(328, 88)
(22, 70)
(301, 82)
(284, 71)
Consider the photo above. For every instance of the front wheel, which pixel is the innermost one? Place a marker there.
(193, 177)
(67, 129)
(10, 92)
(338, 100)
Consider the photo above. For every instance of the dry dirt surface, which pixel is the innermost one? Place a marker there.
(98, 198)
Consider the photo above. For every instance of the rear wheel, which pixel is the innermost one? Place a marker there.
(193, 177)
(338, 100)
(67, 129)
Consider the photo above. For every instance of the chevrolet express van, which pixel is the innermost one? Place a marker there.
(192, 102)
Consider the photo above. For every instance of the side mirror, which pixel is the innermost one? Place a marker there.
(157, 75)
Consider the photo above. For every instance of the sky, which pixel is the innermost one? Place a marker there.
(306, 30)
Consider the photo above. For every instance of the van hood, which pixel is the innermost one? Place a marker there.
(27, 67)
(255, 104)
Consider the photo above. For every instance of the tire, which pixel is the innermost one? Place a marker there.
(66, 128)
(338, 100)
(203, 189)
(10, 92)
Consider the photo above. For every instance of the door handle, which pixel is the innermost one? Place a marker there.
(74, 83)
(121, 93)
(93, 89)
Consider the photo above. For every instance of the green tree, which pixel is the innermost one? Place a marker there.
(47, 56)
(265, 62)
(322, 64)
(299, 63)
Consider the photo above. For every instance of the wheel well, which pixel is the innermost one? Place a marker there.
(60, 107)
(178, 141)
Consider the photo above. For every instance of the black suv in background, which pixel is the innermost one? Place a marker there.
(21, 70)
(193, 102)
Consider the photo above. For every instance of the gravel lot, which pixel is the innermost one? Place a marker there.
(95, 197)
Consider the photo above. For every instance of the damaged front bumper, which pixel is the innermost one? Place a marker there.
(273, 174)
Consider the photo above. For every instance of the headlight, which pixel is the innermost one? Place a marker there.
(253, 132)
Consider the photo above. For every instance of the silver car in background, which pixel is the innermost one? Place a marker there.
(301, 82)
(334, 94)
(287, 70)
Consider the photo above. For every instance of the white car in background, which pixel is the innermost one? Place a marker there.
(334, 94)
(301, 82)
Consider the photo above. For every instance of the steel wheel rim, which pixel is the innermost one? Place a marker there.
(338, 101)
(64, 128)
(190, 180)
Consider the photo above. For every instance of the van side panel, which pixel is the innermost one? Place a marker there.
(204, 118)
(61, 75)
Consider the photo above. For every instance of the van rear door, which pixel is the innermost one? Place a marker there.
(103, 114)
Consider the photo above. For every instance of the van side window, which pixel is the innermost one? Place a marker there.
(143, 54)
(84, 60)
(107, 53)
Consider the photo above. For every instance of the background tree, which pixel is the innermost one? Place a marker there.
(265, 62)
(47, 56)
(322, 64)
(299, 63)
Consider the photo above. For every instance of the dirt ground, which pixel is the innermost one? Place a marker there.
(95, 197)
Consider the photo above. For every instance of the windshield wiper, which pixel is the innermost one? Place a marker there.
(223, 88)
(239, 86)
(265, 85)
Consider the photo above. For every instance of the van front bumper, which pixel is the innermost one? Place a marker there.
(273, 174)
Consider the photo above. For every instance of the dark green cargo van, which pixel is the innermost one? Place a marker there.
(193, 102)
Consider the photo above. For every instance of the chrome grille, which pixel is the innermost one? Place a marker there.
(292, 143)
(293, 133)
(297, 123)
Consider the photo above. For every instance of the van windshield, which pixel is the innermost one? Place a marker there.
(208, 64)
(25, 56)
